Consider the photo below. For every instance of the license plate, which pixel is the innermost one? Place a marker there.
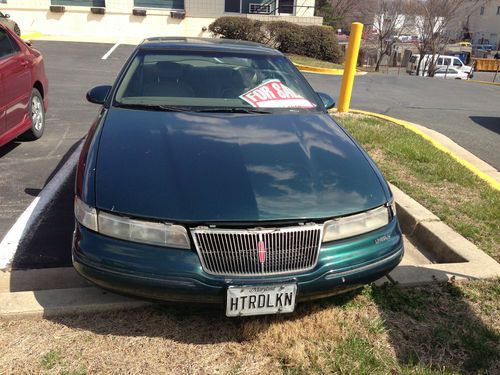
(260, 300)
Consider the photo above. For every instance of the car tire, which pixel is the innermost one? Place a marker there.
(37, 115)
(17, 30)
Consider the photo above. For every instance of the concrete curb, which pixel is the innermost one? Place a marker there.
(55, 302)
(457, 257)
(41, 279)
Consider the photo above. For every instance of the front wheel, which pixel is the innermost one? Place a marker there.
(37, 115)
(17, 30)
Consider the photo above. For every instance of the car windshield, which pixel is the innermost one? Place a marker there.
(214, 80)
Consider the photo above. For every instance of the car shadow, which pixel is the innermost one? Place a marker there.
(435, 327)
(487, 122)
(7, 148)
(200, 324)
(47, 242)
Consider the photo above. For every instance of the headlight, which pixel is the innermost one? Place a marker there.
(149, 232)
(356, 224)
(85, 215)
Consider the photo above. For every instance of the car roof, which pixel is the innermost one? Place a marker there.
(210, 44)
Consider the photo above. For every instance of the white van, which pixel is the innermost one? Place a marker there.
(442, 61)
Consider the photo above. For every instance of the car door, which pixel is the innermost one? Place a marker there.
(457, 63)
(16, 81)
(4, 51)
(2, 105)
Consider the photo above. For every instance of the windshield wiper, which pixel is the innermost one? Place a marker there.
(170, 108)
(233, 110)
(153, 107)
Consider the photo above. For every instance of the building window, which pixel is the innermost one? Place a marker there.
(83, 3)
(498, 11)
(232, 6)
(168, 4)
(481, 11)
(286, 6)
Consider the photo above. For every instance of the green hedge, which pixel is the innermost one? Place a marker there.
(238, 28)
(312, 41)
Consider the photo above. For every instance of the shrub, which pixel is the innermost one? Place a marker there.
(285, 36)
(313, 41)
(321, 43)
(240, 28)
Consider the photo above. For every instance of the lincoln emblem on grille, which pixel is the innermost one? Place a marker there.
(262, 252)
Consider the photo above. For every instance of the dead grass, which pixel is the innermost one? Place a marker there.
(442, 328)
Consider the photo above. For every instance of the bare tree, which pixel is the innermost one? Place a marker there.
(430, 20)
(389, 24)
(340, 13)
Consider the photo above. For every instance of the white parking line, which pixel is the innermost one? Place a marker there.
(107, 54)
(29, 218)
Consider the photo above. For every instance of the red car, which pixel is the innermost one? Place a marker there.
(23, 89)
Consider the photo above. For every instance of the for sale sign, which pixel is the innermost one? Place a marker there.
(274, 94)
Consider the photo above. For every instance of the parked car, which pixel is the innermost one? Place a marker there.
(214, 173)
(5, 20)
(450, 73)
(23, 89)
(440, 61)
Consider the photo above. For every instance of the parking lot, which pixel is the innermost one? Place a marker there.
(422, 316)
(466, 112)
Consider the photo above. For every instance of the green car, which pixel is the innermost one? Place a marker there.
(214, 174)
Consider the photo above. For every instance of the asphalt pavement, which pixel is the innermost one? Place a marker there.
(26, 167)
(468, 113)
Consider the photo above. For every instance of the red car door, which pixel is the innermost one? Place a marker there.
(15, 75)
(2, 106)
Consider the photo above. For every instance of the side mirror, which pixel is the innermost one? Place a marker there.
(327, 100)
(98, 94)
(6, 15)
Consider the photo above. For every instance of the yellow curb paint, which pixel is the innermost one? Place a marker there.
(31, 35)
(412, 127)
(483, 82)
(314, 69)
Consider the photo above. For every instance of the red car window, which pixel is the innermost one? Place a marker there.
(7, 45)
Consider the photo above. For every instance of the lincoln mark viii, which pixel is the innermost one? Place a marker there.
(214, 174)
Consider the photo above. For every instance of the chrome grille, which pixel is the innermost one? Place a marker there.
(235, 252)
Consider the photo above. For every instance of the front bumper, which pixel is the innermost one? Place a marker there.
(176, 275)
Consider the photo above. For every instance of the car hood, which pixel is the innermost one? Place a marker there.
(187, 167)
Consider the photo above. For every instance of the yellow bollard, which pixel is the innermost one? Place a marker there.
(350, 67)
